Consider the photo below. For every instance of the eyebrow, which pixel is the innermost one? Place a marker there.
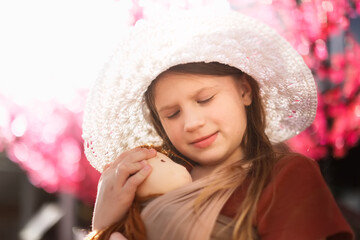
(166, 107)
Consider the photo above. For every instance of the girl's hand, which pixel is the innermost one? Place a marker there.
(118, 184)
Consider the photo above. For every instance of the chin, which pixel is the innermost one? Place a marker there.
(211, 160)
(211, 154)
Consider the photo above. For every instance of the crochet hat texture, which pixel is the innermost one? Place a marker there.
(116, 117)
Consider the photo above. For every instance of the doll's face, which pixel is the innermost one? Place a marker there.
(166, 175)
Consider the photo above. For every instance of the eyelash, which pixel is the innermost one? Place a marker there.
(173, 115)
(206, 100)
(200, 102)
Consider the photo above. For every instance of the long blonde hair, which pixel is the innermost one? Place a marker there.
(258, 151)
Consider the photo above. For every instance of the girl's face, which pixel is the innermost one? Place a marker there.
(203, 115)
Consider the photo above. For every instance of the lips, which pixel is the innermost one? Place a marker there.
(206, 141)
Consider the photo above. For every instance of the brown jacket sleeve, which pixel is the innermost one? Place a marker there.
(298, 205)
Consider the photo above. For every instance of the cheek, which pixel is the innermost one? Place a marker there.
(173, 131)
(241, 122)
(234, 117)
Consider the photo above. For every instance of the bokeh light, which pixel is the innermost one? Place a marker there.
(52, 51)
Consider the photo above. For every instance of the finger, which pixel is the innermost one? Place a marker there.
(125, 170)
(123, 156)
(126, 153)
(132, 163)
(117, 236)
(106, 167)
(140, 154)
(134, 181)
(134, 155)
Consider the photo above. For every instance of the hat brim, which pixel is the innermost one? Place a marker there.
(115, 116)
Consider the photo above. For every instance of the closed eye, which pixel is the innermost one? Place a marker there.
(205, 100)
(173, 115)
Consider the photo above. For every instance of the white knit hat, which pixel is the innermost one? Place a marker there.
(116, 116)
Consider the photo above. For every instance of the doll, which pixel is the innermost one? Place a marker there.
(166, 175)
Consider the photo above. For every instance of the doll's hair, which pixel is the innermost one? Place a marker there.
(258, 150)
(132, 226)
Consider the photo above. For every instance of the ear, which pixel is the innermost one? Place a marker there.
(246, 92)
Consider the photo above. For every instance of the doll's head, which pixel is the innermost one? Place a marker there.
(166, 175)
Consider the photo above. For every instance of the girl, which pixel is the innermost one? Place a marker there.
(221, 90)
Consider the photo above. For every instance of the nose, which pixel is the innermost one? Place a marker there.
(193, 120)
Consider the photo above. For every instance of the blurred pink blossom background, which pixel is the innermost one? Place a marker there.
(44, 136)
